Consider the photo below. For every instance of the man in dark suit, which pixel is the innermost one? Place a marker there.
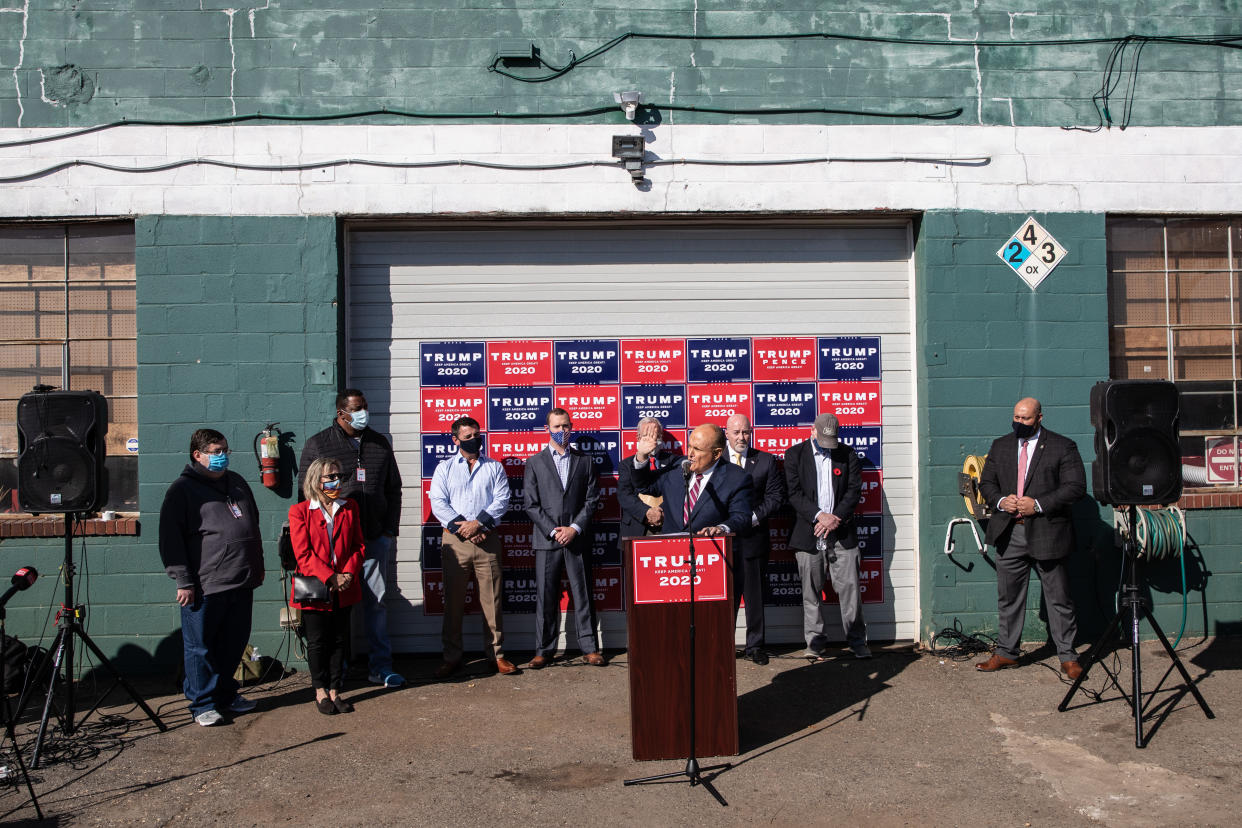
(715, 500)
(753, 542)
(562, 493)
(1032, 477)
(825, 482)
(642, 514)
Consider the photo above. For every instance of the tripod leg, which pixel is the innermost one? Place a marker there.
(1097, 649)
(9, 731)
(1177, 662)
(17, 754)
(133, 694)
(58, 652)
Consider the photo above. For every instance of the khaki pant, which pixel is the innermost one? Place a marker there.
(461, 558)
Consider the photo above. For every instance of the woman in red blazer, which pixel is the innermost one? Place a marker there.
(327, 542)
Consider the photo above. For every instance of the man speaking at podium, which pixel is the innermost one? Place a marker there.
(701, 494)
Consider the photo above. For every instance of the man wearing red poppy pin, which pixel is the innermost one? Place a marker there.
(824, 479)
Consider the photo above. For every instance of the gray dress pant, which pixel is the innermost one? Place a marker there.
(1013, 573)
(842, 569)
(548, 563)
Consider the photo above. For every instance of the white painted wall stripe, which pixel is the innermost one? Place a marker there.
(1184, 170)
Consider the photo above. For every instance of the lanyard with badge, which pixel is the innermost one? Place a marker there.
(360, 473)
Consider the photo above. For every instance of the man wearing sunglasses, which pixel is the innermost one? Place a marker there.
(369, 475)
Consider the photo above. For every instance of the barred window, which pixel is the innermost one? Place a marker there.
(1174, 314)
(67, 306)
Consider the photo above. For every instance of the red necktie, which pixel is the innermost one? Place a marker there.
(690, 499)
(653, 463)
(1022, 468)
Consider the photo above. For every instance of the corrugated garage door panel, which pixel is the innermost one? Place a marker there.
(630, 280)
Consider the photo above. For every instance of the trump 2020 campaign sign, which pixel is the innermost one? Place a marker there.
(780, 383)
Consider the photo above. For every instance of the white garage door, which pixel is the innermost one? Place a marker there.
(617, 281)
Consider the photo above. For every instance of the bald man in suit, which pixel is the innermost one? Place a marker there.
(717, 495)
(1032, 477)
(750, 559)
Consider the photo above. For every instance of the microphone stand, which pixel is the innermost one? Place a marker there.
(9, 716)
(692, 771)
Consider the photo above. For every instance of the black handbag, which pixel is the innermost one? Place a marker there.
(308, 588)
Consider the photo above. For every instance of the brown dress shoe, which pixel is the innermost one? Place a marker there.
(446, 669)
(595, 659)
(538, 662)
(1072, 669)
(505, 667)
(996, 662)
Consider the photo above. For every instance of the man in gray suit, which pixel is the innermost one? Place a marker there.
(1032, 477)
(562, 493)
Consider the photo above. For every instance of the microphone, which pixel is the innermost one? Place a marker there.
(23, 578)
(685, 468)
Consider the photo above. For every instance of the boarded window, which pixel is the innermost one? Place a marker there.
(1174, 314)
(67, 307)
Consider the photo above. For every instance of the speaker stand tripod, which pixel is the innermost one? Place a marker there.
(1134, 607)
(69, 627)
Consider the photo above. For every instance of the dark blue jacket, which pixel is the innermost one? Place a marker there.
(725, 500)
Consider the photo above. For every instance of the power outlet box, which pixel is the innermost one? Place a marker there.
(290, 618)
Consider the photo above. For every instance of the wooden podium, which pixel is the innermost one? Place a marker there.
(657, 583)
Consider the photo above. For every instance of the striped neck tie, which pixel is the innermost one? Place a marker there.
(691, 497)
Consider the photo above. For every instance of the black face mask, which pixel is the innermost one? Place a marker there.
(471, 446)
(1023, 431)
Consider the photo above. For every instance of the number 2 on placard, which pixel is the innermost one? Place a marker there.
(1015, 251)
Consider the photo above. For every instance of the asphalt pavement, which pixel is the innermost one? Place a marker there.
(904, 738)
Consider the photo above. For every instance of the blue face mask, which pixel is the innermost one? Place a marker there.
(561, 438)
(359, 419)
(217, 462)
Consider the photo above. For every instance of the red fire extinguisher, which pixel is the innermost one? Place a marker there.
(267, 452)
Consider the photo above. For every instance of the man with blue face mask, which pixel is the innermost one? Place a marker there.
(369, 475)
(210, 545)
(562, 493)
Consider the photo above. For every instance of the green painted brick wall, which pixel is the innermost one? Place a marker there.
(226, 327)
(986, 340)
(86, 63)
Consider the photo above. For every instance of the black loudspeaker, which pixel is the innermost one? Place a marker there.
(60, 440)
(1137, 458)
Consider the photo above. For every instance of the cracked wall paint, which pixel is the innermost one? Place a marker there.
(24, 11)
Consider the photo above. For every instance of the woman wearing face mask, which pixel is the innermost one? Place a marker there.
(327, 541)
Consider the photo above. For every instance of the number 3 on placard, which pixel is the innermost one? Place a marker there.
(1050, 253)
